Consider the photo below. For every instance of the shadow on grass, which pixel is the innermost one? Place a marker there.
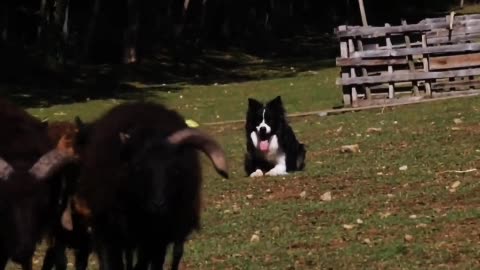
(29, 83)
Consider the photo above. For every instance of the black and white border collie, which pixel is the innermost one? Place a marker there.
(272, 148)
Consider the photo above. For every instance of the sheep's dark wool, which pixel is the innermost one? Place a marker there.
(272, 148)
(28, 188)
(141, 182)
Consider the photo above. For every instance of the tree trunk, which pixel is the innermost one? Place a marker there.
(461, 3)
(131, 33)
(91, 29)
(58, 39)
(4, 30)
(65, 28)
(43, 18)
(204, 12)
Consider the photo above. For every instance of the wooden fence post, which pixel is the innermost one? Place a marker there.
(391, 88)
(347, 93)
(353, 74)
(362, 12)
(411, 64)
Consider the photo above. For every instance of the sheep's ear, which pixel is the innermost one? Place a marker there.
(124, 137)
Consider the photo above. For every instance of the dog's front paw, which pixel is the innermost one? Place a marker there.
(277, 171)
(257, 173)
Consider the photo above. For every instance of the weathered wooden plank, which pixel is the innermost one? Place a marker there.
(391, 88)
(368, 92)
(457, 18)
(347, 100)
(359, 62)
(377, 31)
(412, 76)
(411, 64)
(454, 61)
(447, 84)
(384, 86)
(426, 66)
(382, 31)
(375, 103)
(347, 93)
(471, 92)
(438, 40)
(363, 13)
(354, 92)
(468, 47)
(455, 31)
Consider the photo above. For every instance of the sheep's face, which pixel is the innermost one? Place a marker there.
(151, 162)
(24, 207)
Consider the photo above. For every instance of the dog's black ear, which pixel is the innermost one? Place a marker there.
(253, 103)
(276, 102)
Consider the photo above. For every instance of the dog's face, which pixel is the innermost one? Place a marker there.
(264, 121)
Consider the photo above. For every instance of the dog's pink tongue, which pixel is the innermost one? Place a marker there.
(264, 146)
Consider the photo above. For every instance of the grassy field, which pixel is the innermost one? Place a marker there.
(469, 9)
(215, 102)
(397, 204)
(380, 216)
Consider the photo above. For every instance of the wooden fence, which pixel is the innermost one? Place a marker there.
(435, 57)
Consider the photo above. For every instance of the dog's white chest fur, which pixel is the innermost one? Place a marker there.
(274, 155)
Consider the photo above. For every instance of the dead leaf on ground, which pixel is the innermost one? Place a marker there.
(457, 121)
(385, 215)
(354, 148)
(374, 130)
(326, 197)
(408, 238)
(455, 184)
(255, 238)
(348, 226)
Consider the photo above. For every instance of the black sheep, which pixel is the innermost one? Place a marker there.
(28, 188)
(141, 181)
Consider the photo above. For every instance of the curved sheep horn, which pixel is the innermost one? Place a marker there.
(5, 169)
(49, 163)
(205, 143)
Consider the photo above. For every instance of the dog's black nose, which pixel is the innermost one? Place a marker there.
(263, 131)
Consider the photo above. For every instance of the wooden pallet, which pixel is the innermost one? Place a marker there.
(435, 57)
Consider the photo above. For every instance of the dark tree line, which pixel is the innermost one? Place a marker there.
(127, 30)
